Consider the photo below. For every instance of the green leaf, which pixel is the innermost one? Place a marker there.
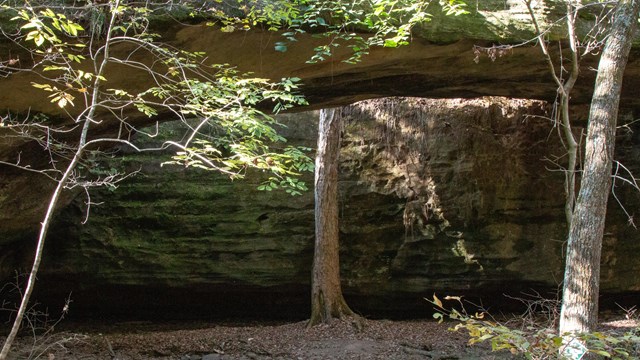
(46, 87)
(391, 43)
(281, 47)
(76, 58)
(54, 68)
(438, 316)
(39, 39)
(600, 352)
(145, 109)
(31, 25)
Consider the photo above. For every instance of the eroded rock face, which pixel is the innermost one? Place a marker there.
(447, 196)
(435, 196)
(441, 62)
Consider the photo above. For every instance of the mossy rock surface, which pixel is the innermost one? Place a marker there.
(446, 196)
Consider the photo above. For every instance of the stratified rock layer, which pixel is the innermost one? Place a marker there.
(456, 197)
(449, 57)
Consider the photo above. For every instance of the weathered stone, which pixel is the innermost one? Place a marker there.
(447, 196)
(455, 197)
(439, 63)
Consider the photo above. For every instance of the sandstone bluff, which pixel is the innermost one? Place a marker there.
(453, 196)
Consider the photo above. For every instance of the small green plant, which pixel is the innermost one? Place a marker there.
(532, 341)
(358, 25)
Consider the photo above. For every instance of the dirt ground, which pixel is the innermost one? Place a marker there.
(379, 339)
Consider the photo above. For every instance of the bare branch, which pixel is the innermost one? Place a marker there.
(632, 181)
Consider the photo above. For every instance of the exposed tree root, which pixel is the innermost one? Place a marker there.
(325, 312)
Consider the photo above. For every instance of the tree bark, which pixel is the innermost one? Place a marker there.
(582, 270)
(327, 301)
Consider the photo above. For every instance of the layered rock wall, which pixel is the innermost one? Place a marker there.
(441, 62)
(456, 197)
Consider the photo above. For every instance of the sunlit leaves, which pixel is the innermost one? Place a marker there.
(531, 340)
(237, 132)
(47, 26)
(145, 109)
(437, 301)
(60, 97)
(291, 185)
(244, 153)
(389, 23)
(273, 15)
(454, 7)
(386, 23)
(235, 135)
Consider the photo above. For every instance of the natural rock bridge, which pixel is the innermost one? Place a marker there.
(450, 195)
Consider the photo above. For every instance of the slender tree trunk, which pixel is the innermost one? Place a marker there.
(563, 118)
(53, 202)
(87, 119)
(582, 272)
(327, 301)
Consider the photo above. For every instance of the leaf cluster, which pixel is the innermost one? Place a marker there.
(534, 342)
(358, 25)
(47, 26)
(232, 134)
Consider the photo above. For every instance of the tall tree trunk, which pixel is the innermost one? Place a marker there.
(327, 301)
(582, 270)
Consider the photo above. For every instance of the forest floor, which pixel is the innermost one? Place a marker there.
(379, 339)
